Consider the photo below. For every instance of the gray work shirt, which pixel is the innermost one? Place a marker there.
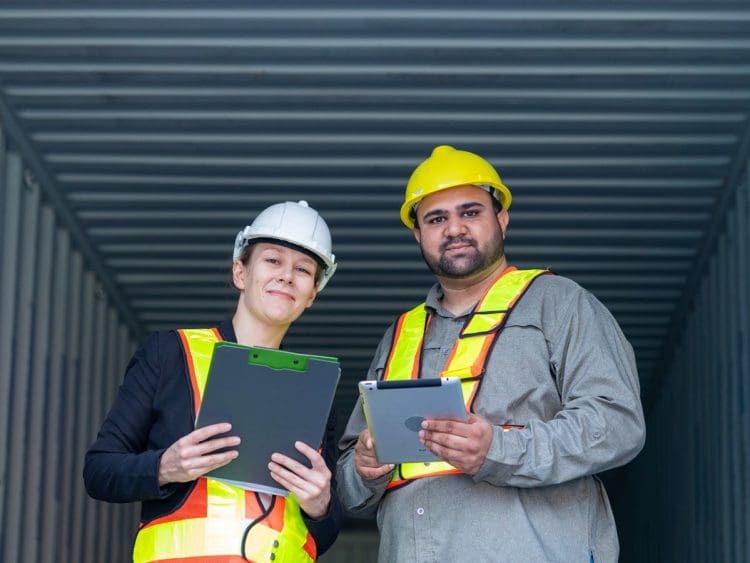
(562, 369)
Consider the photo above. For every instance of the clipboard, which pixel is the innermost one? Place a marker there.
(394, 411)
(272, 398)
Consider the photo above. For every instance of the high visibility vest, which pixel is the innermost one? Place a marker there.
(219, 523)
(467, 359)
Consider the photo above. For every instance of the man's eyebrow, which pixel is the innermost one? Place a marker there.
(469, 205)
(435, 212)
(460, 207)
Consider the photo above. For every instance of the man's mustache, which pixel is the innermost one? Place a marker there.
(459, 240)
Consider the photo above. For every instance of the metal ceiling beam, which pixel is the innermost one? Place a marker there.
(292, 40)
(101, 180)
(52, 194)
(739, 94)
(270, 69)
(263, 138)
(396, 114)
(358, 162)
(544, 13)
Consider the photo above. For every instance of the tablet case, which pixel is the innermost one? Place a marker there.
(272, 398)
(394, 411)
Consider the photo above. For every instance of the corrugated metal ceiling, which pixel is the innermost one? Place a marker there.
(160, 131)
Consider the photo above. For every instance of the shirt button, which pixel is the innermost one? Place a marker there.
(597, 435)
(420, 511)
(276, 543)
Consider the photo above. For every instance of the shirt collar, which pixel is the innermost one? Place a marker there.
(434, 304)
(227, 331)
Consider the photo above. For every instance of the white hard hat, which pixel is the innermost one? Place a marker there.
(294, 223)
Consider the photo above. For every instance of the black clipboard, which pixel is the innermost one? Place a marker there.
(272, 398)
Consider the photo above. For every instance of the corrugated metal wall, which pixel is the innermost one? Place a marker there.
(689, 491)
(63, 349)
(61, 345)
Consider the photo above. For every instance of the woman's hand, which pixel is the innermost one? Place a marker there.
(193, 455)
(311, 486)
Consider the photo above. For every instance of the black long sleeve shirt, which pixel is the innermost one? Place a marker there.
(152, 410)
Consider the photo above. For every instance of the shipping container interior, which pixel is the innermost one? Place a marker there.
(137, 138)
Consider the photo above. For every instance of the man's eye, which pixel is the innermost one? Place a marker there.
(471, 213)
(304, 270)
(272, 260)
(436, 220)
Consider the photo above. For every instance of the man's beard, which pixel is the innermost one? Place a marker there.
(475, 259)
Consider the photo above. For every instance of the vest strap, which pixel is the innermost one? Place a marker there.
(219, 522)
(467, 359)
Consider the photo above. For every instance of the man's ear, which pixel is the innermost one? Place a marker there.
(417, 234)
(503, 218)
(238, 275)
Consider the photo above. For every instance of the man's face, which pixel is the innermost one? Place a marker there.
(459, 233)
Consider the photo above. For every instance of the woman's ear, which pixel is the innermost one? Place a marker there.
(238, 274)
(313, 295)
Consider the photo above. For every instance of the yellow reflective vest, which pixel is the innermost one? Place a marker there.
(467, 359)
(219, 523)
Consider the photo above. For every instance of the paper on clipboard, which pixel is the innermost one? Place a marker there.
(272, 398)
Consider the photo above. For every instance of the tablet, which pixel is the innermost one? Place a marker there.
(272, 398)
(394, 411)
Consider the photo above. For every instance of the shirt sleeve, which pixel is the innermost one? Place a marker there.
(325, 529)
(119, 467)
(601, 423)
(358, 496)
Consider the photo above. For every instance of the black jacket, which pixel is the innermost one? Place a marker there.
(152, 410)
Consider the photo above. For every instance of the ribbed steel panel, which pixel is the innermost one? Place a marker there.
(51, 402)
(688, 492)
(156, 132)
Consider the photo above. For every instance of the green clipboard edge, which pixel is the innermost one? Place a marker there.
(277, 359)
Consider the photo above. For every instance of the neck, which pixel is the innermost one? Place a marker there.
(250, 331)
(459, 294)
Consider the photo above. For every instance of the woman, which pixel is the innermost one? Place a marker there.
(148, 451)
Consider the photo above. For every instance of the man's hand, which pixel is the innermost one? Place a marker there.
(462, 444)
(311, 486)
(192, 455)
(367, 464)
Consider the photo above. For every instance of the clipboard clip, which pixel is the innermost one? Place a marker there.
(277, 359)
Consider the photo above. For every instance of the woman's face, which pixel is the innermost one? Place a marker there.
(277, 283)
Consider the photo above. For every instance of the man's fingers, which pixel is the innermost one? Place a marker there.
(371, 473)
(365, 439)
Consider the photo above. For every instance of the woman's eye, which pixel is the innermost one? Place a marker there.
(272, 260)
(303, 270)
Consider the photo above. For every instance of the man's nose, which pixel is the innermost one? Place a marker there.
(454, 226)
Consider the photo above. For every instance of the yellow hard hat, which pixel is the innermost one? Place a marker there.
(447, 168)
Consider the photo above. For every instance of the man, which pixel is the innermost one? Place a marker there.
(549, 381)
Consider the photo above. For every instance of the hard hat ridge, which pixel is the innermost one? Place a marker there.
(448, 168)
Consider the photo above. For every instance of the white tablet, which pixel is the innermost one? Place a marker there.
(394, 411)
